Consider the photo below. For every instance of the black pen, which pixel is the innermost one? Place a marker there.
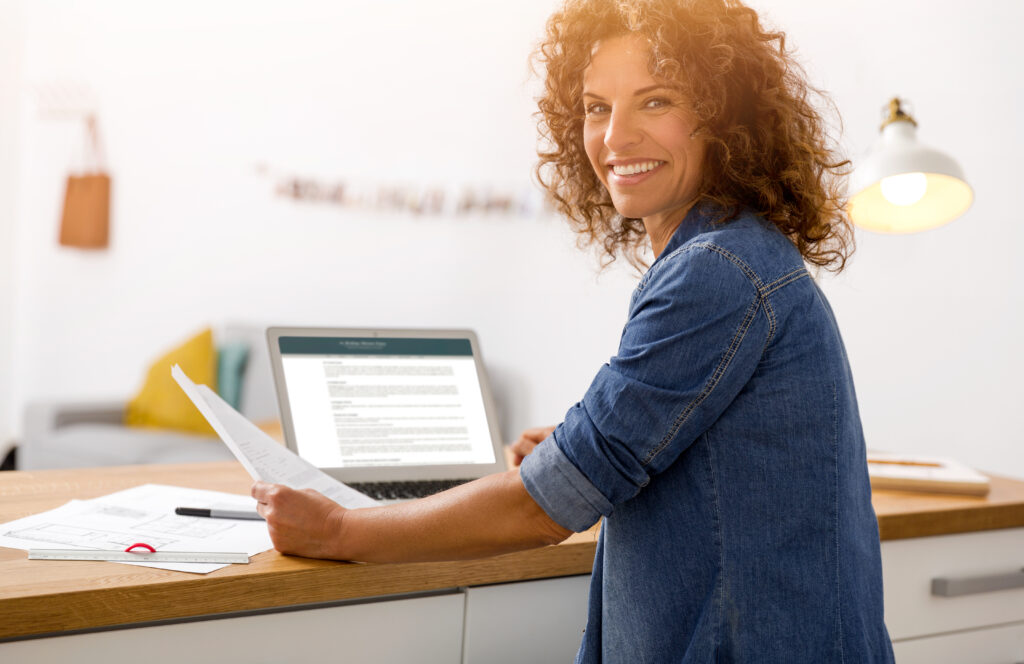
(217, 514)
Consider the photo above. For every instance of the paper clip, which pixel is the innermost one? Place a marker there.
(143, 545)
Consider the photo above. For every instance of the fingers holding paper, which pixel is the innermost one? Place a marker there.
(301, 522)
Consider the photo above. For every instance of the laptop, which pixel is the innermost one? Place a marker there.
(396, 414)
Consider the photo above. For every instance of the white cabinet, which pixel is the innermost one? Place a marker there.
(543, 621)
(421, 629)
(972, 627)
(531, 621)
(994, 645)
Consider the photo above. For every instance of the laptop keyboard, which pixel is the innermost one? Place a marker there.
(405, 490)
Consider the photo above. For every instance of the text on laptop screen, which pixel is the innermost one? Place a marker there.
(385, 402)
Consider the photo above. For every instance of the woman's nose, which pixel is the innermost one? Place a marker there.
(622, 131)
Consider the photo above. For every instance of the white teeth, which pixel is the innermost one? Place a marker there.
(633, 169)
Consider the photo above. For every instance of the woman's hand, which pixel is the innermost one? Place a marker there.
(528, 440)
(301, 523)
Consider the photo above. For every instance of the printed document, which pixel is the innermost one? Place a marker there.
(143, 514)
(263, 457)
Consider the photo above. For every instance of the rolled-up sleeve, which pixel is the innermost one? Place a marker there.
(561, 489)
(697, 328)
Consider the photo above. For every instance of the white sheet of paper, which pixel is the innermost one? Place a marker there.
(143, 514)
(263, 457)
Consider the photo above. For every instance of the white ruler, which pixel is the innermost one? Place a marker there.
(126, 556)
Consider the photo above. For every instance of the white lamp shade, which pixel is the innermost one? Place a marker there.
(888, 199)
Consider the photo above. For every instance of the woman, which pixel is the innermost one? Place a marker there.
(722, 444)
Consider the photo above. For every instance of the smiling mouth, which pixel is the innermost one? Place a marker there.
(636, 169)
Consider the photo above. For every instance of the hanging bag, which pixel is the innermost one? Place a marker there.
(85, 223)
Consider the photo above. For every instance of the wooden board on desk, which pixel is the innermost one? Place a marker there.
(922, 473)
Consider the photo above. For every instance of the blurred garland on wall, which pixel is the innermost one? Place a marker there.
(413, 200)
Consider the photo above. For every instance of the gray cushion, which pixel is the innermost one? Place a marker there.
(85, 445)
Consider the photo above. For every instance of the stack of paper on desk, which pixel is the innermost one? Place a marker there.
(143, 514)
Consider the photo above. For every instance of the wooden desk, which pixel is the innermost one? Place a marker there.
(905, 514)
(39, 598)
(57, 596)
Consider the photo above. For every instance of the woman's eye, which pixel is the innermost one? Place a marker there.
(657, 102)
(595, 108)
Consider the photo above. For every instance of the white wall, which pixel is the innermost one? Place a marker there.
(10, 177)
(933, 321)
(203, 107)
(192, 103)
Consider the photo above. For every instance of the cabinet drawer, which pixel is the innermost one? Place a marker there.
(424, 630)
(533, 621)
(968, 561)
(995, 645)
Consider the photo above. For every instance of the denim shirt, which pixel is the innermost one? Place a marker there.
(723, 447)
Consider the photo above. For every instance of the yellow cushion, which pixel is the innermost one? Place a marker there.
(161, 403)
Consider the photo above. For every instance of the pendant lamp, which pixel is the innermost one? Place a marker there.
(902, 186)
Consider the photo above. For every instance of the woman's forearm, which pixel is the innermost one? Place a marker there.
(489, 516)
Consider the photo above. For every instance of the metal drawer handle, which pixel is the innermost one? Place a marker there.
(944, 586)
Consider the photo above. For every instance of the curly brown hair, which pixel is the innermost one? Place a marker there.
(767, 147)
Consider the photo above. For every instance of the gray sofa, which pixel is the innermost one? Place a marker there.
(79, 434)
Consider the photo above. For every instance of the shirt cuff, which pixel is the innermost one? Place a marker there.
(561, 490)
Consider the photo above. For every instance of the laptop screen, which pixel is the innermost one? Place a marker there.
(384, 401)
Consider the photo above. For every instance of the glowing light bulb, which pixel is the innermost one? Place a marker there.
(904, 189)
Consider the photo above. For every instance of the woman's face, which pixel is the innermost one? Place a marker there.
(637, 135)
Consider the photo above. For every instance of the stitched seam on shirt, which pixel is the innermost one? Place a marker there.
(712, 383)
(720, 542)
(769, 311)
(734, 345)
(786, 279)
(770, 315)
(763, 290)
(835, 457)
(731, 257)
(737, 261)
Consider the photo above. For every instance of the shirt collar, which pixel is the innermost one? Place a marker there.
(698, 220)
